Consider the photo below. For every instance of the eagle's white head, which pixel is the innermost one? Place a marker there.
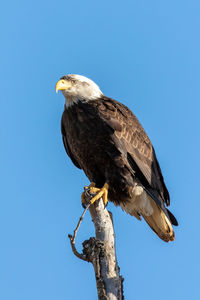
(77, 88)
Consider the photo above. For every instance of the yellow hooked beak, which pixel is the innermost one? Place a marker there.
(63, 85)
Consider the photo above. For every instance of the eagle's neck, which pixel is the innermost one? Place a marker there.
(71, 100)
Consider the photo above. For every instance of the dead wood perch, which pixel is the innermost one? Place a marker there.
(100, 251)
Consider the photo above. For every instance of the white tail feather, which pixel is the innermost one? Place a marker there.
(160, 224)
(144, 205)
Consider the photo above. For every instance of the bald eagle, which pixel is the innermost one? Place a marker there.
(104, 139)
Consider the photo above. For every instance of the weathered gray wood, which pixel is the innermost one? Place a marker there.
(101, 252)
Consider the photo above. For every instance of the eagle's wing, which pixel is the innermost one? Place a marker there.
(66, 145)
(133, 142)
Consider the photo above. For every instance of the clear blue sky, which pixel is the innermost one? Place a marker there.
(143, 53)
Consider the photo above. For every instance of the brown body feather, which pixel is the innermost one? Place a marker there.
(105, 139)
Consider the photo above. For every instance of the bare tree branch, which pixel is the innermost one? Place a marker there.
(100, 251)
(73, 238)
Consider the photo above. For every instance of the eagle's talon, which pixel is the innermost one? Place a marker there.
(100, 193)
(97, 194)
(86, 194)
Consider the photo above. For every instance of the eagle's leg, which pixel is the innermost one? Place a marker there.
(100, 193)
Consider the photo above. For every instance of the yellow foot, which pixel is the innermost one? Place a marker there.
(100, 193)
(83, 198)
